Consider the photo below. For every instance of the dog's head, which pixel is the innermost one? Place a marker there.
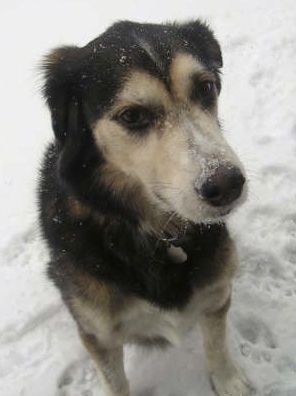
(135, 119)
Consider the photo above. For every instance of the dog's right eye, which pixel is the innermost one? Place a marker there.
(136, 118)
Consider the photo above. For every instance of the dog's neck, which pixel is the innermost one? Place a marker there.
(167, 227)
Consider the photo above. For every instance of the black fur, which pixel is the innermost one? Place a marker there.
(80, 84)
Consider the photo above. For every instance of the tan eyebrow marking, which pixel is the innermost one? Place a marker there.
(183, 68)
(142, 89)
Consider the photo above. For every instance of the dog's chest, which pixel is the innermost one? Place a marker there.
(146, 320)
(141, 321)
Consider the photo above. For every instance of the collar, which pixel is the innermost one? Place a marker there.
(176, 239)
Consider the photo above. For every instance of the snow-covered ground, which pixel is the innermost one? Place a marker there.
(40, 353)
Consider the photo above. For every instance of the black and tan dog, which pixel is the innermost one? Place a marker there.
(133, 192)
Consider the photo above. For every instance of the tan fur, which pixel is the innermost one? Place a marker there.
(142, 89)
(77, 209)
(110, 365)
(127, 188)
(108, 319)
(226, 377)
(93, 291)
(183, 68)
(120, 318)
(183, 143)
(135, 319)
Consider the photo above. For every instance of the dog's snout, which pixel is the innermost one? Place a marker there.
(223, 186)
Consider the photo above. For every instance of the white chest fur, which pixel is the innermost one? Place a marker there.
(141, 320)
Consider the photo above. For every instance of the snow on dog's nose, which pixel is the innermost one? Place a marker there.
(223, 186)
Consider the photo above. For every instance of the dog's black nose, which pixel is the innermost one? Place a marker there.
(223, 186)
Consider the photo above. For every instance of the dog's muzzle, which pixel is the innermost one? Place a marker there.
(223, 186)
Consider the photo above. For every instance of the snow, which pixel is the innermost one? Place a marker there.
(39, 347)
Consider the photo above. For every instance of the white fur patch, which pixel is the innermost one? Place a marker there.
(140, 319)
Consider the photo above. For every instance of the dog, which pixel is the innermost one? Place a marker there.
(134, 191)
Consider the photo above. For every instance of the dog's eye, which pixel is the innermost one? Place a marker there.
(207, 87)
(205, 92)
(136, 118)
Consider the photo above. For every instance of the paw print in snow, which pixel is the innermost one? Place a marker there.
(258, 342)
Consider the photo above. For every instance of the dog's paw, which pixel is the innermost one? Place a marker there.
(231, 383)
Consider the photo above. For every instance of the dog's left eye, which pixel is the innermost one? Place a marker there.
(207, 87)
(205, 92)
(136, 118)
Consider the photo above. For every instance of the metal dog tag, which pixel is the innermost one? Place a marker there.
(177, 254)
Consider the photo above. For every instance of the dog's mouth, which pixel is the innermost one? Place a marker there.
(175, 227)
(226, 212)
(222, 191)
(199, 212)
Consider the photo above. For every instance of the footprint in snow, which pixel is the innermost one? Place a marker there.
(260, 264)
(289, 252)
(146, 392)
(258, 341)
(79, 379)
(255, 331)
(279, 391)
(19, 245)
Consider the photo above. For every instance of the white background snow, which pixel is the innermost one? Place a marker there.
(40, 353)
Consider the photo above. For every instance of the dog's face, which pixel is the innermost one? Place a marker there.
(137, 108)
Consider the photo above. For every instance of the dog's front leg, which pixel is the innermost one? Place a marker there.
(109, 361)
(227, 379)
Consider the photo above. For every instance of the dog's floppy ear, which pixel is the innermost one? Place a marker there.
(62, 71)
(65, 73)
(203, 39)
